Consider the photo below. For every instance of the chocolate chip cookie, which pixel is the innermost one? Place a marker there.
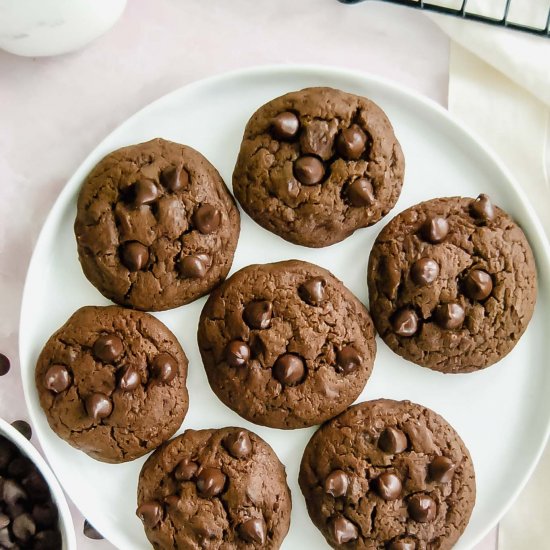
(112, 382)
(214, 489)
(317, 164)
(388, 474)
(156, 227)
(286, 345)
(452, 284)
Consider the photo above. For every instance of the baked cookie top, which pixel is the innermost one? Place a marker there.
(156, 227)
(388, 474)
(221, 488)
(112, 382)
(317, 164)
(286, 345)
(452, 284)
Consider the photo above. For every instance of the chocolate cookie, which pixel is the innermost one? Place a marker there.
(214, 489)
(286, 345)
(112, 382)
(317, 164)
(452, 284)
(388, 474)
(156, 227)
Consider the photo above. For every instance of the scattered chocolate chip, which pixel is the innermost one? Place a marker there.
(289, 369)
(90, 531)
(23, 427)
(185, 470)
(145, 192)
(164, 367)
(129, 379)
(47, 540)
(482, 208)
(210, 482)
(134, 255)
(45, 514)
(4, 520)
(309, 170)
(150, 513)
(348, 360)
(258, 314)
(402, 545)
(237, 353)
(351, 142)
(424, 271)
(238, 444)
(360, 193)
(174, 178)
(285, 125)
(388, 486)
(337, 483)
(98, 406)
(4, 365)
(405, 322)
(422, 508)
(441, 469)
(478, 284)
(253, 530)
(57, 379)
(313, 291)
(392, 441)
(207, 218)
(343, 530)
(435, 229)
(193, 266)
(450, 316)
(23, 527)
(108, 348)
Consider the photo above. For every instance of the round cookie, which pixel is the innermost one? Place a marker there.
(452, 284)
(156, 227)
(317, 164)
(112, 382)
(221, 488)
(286, 345)
(388, 474)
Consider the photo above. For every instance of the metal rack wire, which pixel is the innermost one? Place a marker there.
(464, 13)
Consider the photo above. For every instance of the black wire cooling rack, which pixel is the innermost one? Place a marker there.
(464, 13)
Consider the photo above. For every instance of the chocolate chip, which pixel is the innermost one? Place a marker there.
(482, 208)
(253, 530)
(478, 284)
(4, 520)
(108, 348)
(435, 229)
(165, 367)
(289, 369)
(130, 379)
(193, 266)
(450, 316)
(348, 360)
(388, 486)
(422, 508)
(313, 291)
(258, 314)
(207, 218)
(185, 470)
(402, 545)
(424, 271)
(441, 469)
(98, 406)
(6, 539)
(309, 170)
(35, 486)
(23, 527)
(343, 530)
(134, 255)
(7, 451)
(392, 441)
(174, 178)
(360, 193)
(285, 125)
(351, 142)
(90, 531)
(145, 192)
(23, 427)
(238, 444)
(390, 277)
(337, 483)
(405, 322)
(12, 492)
(57, 378)
(19, 467)
(237, 353)
(4, 365)
(150, 513)
(210, 482)
(47, 540)
(45, 514)
(172, 501)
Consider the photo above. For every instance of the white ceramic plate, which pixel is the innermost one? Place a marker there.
(502, 413)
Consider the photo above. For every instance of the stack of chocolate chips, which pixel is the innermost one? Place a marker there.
(28, 516)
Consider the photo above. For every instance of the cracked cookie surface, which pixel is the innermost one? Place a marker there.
(452, 284)
(112, 382)
(156, 227)
(286, 345)
(388, 475)
(317, 164)
(216, 489)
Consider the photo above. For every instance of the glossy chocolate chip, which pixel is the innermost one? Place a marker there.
(150, 513)
(237, 353)
(441, 469)
(145, 192)
(210, 482)
(392, 441)
(238, 444)
(422, 508)
(129, 379)
(478, 284)
(108, 348)
(134, 255)
(351, 142)
(405, 322)
(336, 483)
(482, 208)
(194, 266)
(4, 365)
(90, 531)
(309, 170)
(23, 427)
(450, 316)
(348, 360)
(174, 178)
(23, 527)
(435, 229)
(253, 530)
(424, 271)
(402, 545)
(207, 218)
(343, 530)
(285, 125)
(98, 406)
(164, 367)
(388, 486)
(313, 291)
(289, 369)
(57, 379)
(185, 470)
(258, 314)
(360, 193)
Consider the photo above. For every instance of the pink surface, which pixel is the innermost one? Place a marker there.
(53, 111)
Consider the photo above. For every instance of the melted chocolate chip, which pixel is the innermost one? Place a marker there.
(174, 178)
(435, 229)
(194, 266)
(388, 486)
(91, 532)
(450, 316)
(253, 530)
(478, 284)
(402, 545)
(336, 483)
(150, 513)
(258, 314)
(4, 365)
(392, 441)
(289, 369)
(98, 406)
(360, 193)
(313, 291)
(441, 469)
(309, 170)
(207, 218)
(57, 378)
(422, 508)
(238, 444)
(130, 379)
(348, 360)
(164, 367)
(482, 208)
(424, 271)
(343, 530)
(210, 482)
(134, 255)
(185, 470)
(145, 192)
(108, 348)
(23, 427)
(351, 142)
(237, 353)
(285, 125)
(405, 322)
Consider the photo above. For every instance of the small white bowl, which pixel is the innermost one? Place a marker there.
(28, 449)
